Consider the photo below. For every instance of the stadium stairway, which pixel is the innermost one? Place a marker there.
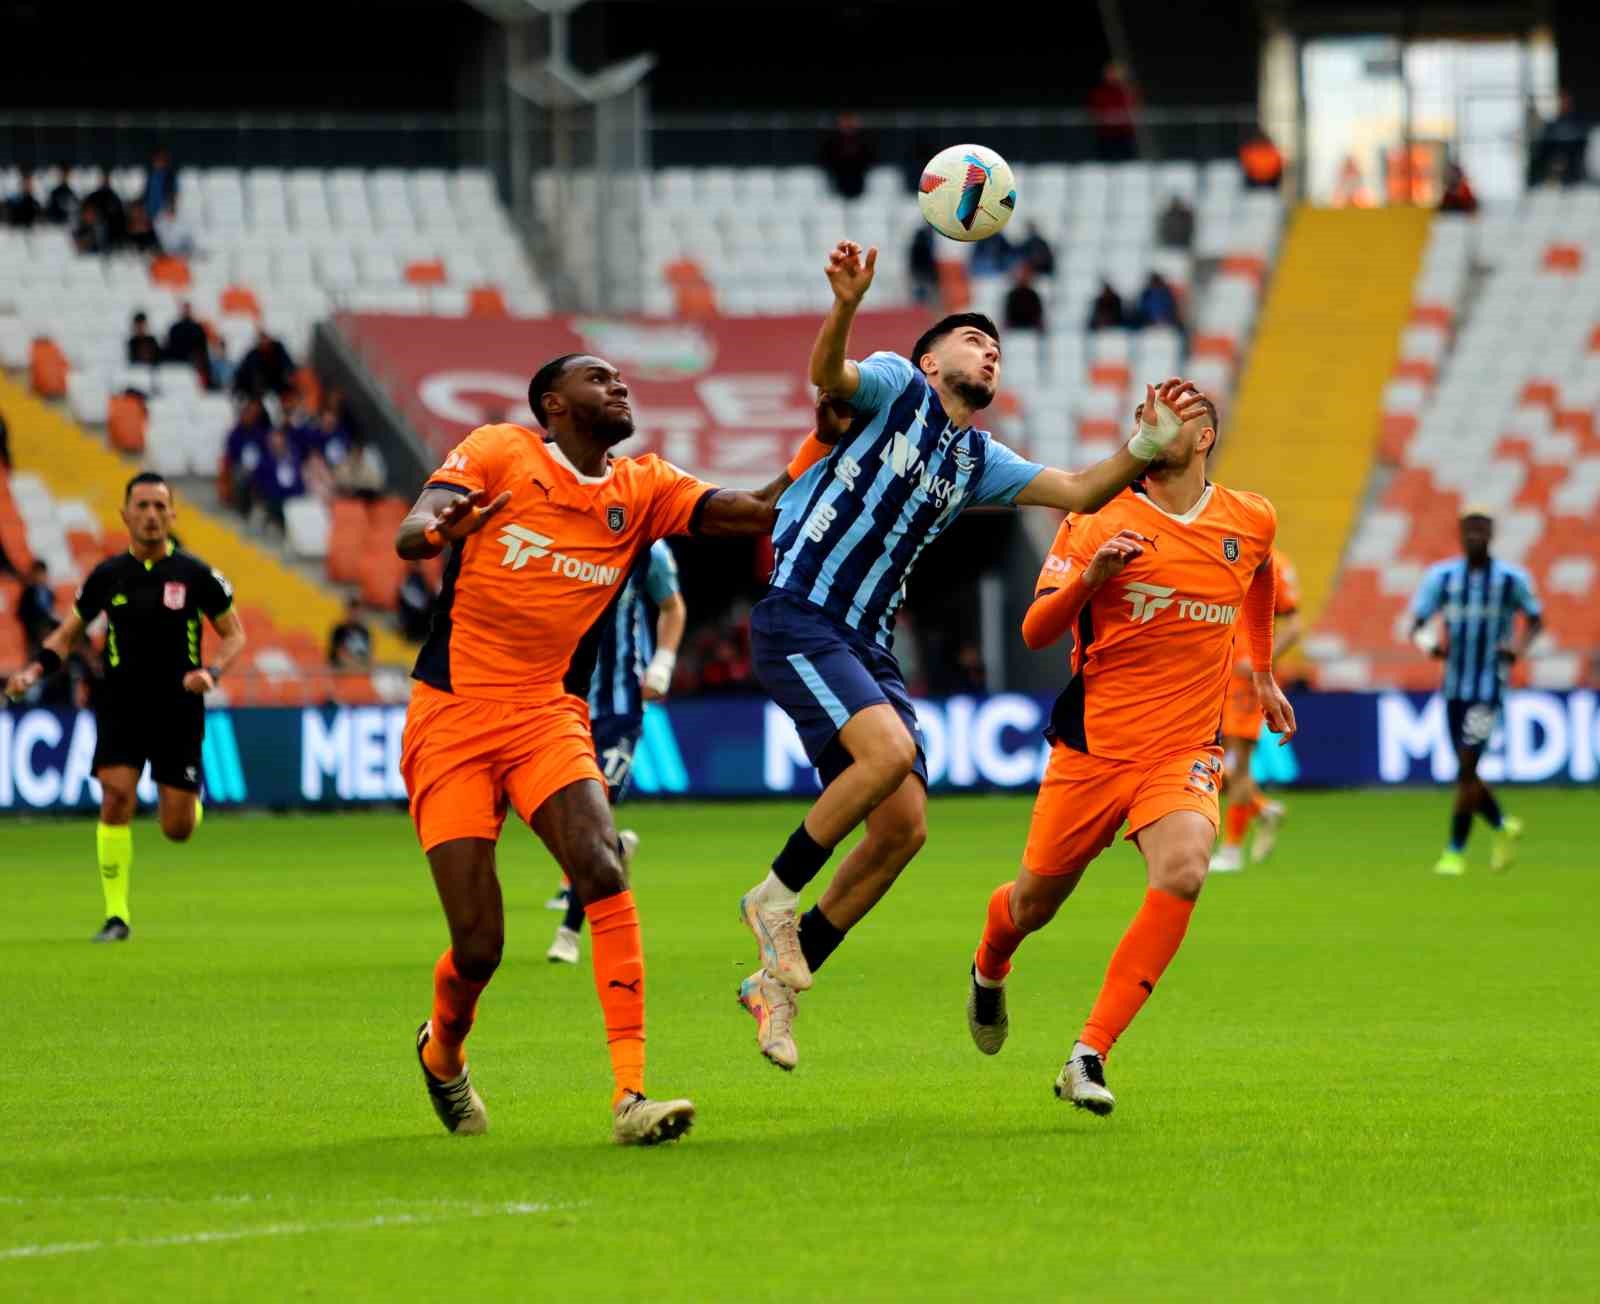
(75, 464)
(1303, 430)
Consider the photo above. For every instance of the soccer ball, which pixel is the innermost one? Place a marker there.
(967, 192)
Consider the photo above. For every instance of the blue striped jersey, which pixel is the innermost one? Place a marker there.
(627, 636)
(851, 528)
(1478, 604)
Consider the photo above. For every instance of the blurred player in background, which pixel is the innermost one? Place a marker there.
(850, 527)
(628, 672)
(1242, 721)
(542, 535)
(1477, 598)
(151, 706)
(1150, 587)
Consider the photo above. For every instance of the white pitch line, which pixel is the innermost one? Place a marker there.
(57, 1248)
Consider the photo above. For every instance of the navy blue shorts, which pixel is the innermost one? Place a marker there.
(1471, 723)
(821, 673)
(615, 738)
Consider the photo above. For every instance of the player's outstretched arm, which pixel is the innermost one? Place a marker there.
(849, 274)
(52, 652)
(1257, 616)
(1161, 417)
(440, 517)
(732, 513)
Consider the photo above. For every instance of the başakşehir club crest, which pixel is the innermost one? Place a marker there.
(1230, 548)
(616, 518)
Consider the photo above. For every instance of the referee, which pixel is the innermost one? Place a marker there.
(151, 706)
(1478, 598)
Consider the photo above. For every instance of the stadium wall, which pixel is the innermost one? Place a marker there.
(745, 747)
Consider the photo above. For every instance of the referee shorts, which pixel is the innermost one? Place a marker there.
(165, 731)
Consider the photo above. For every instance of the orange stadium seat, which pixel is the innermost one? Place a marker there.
(426, 271)
(347, 540)
(126, 421)
(239, 300)
(170, 271)
(381, 573)
(1395, 431)
(486, 301)
(47, 369)
(1563, 258)
(1416, 369)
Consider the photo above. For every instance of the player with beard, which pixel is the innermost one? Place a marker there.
(541, 534)
(850, 527)
(1151, 589)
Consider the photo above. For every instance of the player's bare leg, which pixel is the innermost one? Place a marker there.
(1244, 805)
(1015, 910)
(575, 824)
(179, 813)
(469, 891)
(1176, 850)
(896, 830)
(883, 754)
(113, 838)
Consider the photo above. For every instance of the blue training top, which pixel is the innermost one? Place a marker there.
(1478, 603)
(627, 637)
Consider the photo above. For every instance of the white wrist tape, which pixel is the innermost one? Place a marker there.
(1151, 439)
(1425, 640)
(658, 674)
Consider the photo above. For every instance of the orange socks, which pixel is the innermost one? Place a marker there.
(1240, 814)
(1001, 937)
(619, 979)
(455, 1002)
(1136, 966)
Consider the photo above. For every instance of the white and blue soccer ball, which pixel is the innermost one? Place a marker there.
(967, 192)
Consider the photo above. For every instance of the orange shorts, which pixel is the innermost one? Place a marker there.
(464, 759)
(1242, 716)
(1083, 801)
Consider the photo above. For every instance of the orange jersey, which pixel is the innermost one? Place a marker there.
(1154, 644)
(1285, 601)
(521, 596)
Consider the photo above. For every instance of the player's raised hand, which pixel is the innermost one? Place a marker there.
(467, 515)
(1275, 706)
(1183, 397)
(1112, 556)
(19, 684)
(849, 273)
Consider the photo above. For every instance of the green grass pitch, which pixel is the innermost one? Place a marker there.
(1357, 1081)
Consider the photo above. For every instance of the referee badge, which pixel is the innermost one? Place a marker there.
(173, 595)
(1230, 548)
(616, 518)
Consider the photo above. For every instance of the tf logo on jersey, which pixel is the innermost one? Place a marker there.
(1230, 548)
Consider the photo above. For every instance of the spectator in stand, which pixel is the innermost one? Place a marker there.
(36, 608)
(266, 369)
(187, 342)
(1111, 105)
(1158, 304)
(141, 234)
(1036, 252)
(847, 155)
(108, 205)
(361, 473)
(1458, 196)
(415, 604)
(61, 205)
(278, 476)
(924, 266)
(1261, 161)
(1024, 309)
(160, 183)
(1175, 226)
(144, 349)
(1559, 147)
(241, 455)
(23, 208)
(350, 643)
(91, 234)
(991, 257)
(1105, 313)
